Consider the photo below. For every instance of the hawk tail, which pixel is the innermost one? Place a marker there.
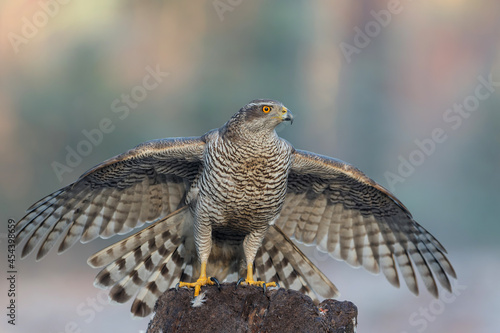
(146, 263)
(279, 259)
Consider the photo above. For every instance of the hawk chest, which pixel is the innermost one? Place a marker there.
(245, 181)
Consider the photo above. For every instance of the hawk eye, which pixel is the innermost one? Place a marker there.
(266, 109)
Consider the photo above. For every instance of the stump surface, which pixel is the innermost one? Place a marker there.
(248, 309)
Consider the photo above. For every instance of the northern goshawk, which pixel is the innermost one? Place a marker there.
(227, 203)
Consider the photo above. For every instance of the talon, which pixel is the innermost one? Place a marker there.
(177, 287)
(251, 282)
(214, 280)
(240, 280)
(202, 281)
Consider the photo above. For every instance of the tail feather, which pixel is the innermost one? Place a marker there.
(128, 286)
(277, 268)
(155, 259)
(264, 267)
(147, 296)
(130, 264)
(280, 257)
(306, 289)
(166, 275)
(148, 262)
(141, 241)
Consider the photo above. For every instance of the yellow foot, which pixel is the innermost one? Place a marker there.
(202, 281)
(263, 284)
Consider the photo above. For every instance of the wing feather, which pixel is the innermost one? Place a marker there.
(116, 196)
(334, 206)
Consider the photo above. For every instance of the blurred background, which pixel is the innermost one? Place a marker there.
(405, 90)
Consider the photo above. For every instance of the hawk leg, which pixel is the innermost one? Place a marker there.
(251, 282)
(202, 281)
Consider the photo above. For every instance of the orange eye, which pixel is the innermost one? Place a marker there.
(266, 109)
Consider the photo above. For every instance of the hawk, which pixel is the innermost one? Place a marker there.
(227, 204)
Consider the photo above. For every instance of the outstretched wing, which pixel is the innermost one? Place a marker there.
(140, 185)
(336, 207)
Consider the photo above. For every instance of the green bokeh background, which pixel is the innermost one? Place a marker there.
(367, 109)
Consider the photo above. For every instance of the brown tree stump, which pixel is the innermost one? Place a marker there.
(248, 309)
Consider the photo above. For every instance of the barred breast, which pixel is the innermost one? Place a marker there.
(243, 184)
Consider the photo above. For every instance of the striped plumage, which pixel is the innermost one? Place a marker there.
(232, 198)
(242, 186)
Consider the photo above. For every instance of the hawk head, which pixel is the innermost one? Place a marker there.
(261, 115)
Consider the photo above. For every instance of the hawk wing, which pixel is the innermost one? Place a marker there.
(122, 193)
(336, 207)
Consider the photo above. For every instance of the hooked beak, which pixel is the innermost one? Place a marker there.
(287, 115)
